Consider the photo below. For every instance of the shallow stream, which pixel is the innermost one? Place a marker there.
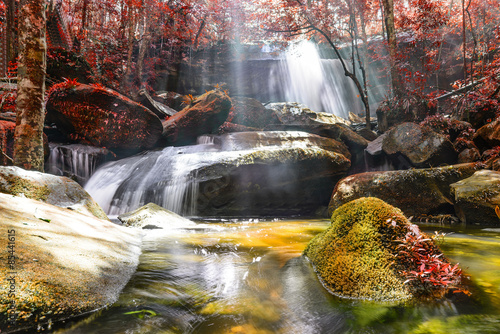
(248, 276)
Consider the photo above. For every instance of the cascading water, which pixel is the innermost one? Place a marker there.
(302, 76)
(161, 177)
(75, 160)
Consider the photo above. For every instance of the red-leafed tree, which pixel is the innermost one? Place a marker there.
(28, 143)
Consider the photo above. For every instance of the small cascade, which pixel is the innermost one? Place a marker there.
(75, 160)
(162, 177)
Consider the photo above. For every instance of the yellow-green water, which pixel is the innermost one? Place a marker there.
(249, 277)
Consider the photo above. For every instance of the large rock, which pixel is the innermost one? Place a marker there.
(419, 145)
(251, 113)
(364, 254)
(205, 115)
(256, 140)
(66, 264)
(476, 198)
(101, 117)
(297, 117)
(293, 113)
(488, 135)
(416, 192)
(273, 182)
(55, 190)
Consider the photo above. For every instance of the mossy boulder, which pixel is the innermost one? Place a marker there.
(56, 190)
(359, 255)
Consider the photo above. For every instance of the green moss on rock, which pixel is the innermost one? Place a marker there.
(19, 186)
(356, 256)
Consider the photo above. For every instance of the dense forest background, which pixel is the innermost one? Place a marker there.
(427, 50)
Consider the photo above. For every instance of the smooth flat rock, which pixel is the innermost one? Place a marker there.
(66, 263)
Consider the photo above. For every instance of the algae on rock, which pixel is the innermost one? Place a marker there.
(359, 255)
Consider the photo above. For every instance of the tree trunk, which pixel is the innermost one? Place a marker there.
(391, 40)
(11, 50)
(143, 46)
(28, 142)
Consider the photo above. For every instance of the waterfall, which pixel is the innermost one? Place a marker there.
(162, 177)
(75, 160)
(301, 75)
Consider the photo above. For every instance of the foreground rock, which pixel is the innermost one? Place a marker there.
(476, 198)
(417, 192)
(152, 217)
(419, 145)
(360, 255)
(55, 190)
(204, 116)
(101, 117)
(66, 263)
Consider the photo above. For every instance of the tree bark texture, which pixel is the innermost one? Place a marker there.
(391, 40)
(28, 143)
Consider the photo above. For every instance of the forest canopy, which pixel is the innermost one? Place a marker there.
(128, 42)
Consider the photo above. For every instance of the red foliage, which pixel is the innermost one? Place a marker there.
(434, 273)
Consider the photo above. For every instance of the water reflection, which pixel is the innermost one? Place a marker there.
(249, 277)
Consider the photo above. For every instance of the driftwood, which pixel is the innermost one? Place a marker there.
(158, 108)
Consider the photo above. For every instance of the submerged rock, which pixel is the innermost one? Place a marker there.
(416, 192)
(152, 216)
(421, 146)
(55, 190)
(102, 117)
(360, 254)
(476, 198)
(204, 116)
(66, 264)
